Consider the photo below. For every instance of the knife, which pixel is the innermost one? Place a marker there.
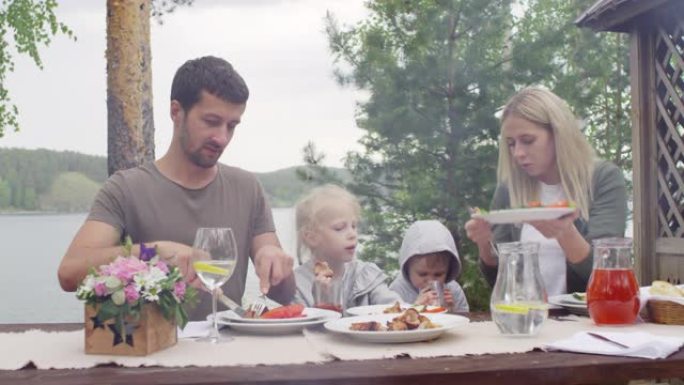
(232, 305)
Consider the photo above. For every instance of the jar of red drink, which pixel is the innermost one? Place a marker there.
(613, 290)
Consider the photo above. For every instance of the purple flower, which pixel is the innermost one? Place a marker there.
(179, 290)
(132, 294)
(147, 253)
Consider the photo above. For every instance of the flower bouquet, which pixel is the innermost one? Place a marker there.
(124, 301)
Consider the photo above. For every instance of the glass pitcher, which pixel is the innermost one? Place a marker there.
(519, 304)
(613, 290)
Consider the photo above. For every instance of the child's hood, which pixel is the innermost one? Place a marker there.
(429, 236)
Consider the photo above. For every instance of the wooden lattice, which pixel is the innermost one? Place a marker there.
(669, 68)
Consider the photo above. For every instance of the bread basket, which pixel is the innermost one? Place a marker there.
(665, 312)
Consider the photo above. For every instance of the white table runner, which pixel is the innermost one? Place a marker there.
(63, 350)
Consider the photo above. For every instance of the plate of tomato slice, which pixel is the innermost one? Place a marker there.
(281, 314)
(534, 211)
(308, 317)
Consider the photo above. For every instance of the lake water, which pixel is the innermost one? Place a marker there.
(32, 247)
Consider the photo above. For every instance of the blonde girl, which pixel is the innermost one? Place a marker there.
(544, 157)
(327, 220)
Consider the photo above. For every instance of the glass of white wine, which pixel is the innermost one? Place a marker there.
(216, 254)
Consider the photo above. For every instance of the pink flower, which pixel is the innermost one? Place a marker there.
(100, 289)
(124, 268)
(179, 290)
(132, 294)
(163, 267)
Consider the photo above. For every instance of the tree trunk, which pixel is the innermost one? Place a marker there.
(130, 123)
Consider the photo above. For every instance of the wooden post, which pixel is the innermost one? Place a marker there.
(644, 151)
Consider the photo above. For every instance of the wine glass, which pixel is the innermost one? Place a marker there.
(214, 262)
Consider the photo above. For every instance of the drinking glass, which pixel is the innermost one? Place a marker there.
(519, 304)
(328, 294)
(613, 290)
(215, 256)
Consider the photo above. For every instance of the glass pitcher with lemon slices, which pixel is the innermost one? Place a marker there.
(519, 304)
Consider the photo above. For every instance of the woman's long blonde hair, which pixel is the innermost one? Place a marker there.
(574, 155)
(311, 207)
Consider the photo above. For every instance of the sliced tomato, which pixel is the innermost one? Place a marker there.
(562, 203)
(289, 311)
(534, 204)
(437, 309)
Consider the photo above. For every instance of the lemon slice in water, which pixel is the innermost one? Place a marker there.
(518, 308)
(205, 267)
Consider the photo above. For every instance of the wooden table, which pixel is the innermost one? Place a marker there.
(525, 368)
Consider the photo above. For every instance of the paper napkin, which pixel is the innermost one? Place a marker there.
(195, 329)
(639, 344)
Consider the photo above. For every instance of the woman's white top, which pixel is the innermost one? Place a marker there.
(551, 256)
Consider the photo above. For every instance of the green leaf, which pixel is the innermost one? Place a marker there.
(108, 310)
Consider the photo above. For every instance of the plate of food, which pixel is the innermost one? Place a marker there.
(282, 326)
(409, 326)
(532, 212)
(394, 308)
(282, 314)
(575, 303)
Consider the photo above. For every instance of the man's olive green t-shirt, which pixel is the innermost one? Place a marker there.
(143, 203)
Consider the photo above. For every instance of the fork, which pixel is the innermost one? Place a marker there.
(259, 305)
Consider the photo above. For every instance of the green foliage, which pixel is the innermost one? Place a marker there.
(436, 72)
(28, 24)
(590, 70)
(70, 192)
(33, 180)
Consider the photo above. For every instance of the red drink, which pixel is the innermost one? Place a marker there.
(613, 296)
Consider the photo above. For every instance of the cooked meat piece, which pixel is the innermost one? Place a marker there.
(321, 268)
(396, 308)
(411, 317)
(371, 326)
(396, 325)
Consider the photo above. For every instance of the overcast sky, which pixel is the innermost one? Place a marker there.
(278, 46)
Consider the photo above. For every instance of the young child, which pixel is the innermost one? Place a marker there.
(428, 253)
(326, 222)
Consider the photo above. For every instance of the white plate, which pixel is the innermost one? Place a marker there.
(280, 327)
(309, 314)
(572, 304)
(567, 300)
(524, 215)
(446, 322)
(379, 309)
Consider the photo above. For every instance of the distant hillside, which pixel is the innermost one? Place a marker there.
(66, 181)
(28, 178)
(284, 187)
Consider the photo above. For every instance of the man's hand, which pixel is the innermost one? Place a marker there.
(182, 256)
(272, 266)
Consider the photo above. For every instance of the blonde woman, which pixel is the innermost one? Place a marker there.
(544, 157)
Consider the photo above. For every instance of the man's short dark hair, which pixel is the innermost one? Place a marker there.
(211, 74)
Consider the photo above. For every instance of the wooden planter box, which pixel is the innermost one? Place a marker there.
(152, 332)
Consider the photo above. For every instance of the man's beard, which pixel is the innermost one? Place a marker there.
(196, 156)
